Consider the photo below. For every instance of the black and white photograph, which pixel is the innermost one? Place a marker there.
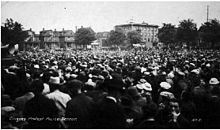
(110, 64)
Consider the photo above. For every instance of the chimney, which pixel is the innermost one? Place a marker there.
(63, 29)
(55, 30)
(43, 29)
(76, 28)
(81, 26)
(30, 29)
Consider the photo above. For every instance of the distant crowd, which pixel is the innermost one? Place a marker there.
(150, 88)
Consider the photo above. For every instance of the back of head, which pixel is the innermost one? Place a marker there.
(74, 86)
(37, 87)
(114, 84)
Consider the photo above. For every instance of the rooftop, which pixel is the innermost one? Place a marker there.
(137, 24)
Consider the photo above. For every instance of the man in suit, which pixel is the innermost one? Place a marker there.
(78, 107)
(108, 113)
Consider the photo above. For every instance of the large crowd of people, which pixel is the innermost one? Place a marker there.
(147, 88)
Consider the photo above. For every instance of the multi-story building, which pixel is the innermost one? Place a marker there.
(56, 39)
(148, 32)
(32, 41)
(49, 39)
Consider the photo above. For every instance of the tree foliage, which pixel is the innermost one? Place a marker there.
(84, 36)
(167, 33)
(116, 38)
(12, 33)
(187, 32)
(210, 32)
(134, 37)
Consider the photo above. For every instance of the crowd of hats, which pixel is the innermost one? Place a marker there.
(137, 72)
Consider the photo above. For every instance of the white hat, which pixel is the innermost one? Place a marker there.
(213, 81)
(142, 81)
(67, 75)
(101, 77)
(90, 83)
(36, 66)
(90, 76)
(186, 61)
(54, 80)
(143, 69)
(8, 108)
(196, 71)
(208, 65)
(167, 94)
(170, 75)
(154, 73)
(28, 75)
(164, 73)
(13, 67)
(147, 86)
(146, 73)
(73, 75)
(68, 68)
(165, 85)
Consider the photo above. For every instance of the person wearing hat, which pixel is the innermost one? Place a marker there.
(165, 86)
(139, 102)
(79, 106)
(41, 107)
(56, 95)
(214, 81)
(107, 112)
(163, 103)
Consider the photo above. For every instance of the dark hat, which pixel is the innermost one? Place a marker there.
(133, 92)
(75, 84)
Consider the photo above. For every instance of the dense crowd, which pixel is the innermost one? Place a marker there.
(149, 88)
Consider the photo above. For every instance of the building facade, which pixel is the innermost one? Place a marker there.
(56, 39)
(148, 32)
(49, 39)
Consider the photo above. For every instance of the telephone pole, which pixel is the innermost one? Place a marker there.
(207, 13)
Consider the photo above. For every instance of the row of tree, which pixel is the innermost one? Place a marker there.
(186, 33)
(208, 35)
(84, 36)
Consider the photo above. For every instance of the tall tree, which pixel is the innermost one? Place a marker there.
(210, 32)
(134, 37)
(187, 32)
(12, 33)
(167, 34)
(84, 36)
(116, 38)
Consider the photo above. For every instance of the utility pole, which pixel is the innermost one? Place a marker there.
(207, 13)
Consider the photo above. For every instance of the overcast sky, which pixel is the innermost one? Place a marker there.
(104, 15)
